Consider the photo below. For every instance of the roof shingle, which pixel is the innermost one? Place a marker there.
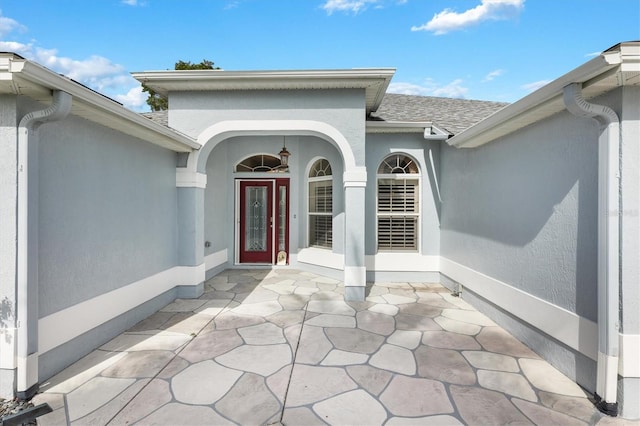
(453, 115)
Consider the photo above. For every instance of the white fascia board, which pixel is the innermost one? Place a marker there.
(527, 110)
(374, 81)
(397, 126)
(103, 110)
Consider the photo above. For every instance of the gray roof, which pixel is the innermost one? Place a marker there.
(160, 117)
(453, 115)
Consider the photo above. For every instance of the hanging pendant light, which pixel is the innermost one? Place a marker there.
(284, 154)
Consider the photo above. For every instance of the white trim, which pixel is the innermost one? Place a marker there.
(402, 262)
(355, 177)
(547, 100)
(573, 330)
(29, 365)
(223, 130)
(216, 259)
(269, 178)
(31, 78)
(306, 195)
(355, 276)
(607, 377)
(397, 126)
(188, 179)
(629, 351)
(321, 257)
(69, 323)
(8, 348)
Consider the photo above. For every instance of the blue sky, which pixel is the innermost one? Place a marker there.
(476, 49)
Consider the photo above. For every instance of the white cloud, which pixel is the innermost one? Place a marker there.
(232, 5)
(489, 10)
(96, 72)
(454, 89)
(8, 25)
(532, 87)
(354, 6)
(492, 75)
(409, 89)
(16, 47)
(131, 2)
(592, 54)
(134, 98)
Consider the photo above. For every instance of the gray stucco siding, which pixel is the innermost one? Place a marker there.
(220, 193)
(107, 211)
(523, 210)
(630, 220)
(427, 154)
(311, 149)
(217, 221)
(191, 112)
(8, 195)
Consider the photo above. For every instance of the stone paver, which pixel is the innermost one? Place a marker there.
(355, 407)
(282, 347)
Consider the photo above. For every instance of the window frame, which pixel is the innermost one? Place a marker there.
(409, 174)
(324, 178)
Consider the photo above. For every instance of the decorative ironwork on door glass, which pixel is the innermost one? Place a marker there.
(256, 218)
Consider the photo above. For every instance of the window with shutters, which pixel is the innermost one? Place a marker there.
(320, 204)
(398, 203)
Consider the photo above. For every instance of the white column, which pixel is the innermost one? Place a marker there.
(355, 271)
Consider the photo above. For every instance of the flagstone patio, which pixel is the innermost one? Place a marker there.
(282, 346)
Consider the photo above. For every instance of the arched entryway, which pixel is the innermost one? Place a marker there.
(222, 134)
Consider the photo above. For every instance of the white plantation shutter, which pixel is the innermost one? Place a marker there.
(320, 205)
(398, 203)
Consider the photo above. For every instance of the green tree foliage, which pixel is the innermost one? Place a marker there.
(159, 103)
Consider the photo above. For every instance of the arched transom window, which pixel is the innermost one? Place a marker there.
(260, 163)
(398, 203)
(320, 204)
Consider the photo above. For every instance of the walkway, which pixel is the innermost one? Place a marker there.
(263, 347)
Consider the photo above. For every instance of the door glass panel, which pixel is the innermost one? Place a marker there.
(256, 218)
(282, 217)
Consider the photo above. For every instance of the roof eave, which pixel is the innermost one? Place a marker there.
(547, 100)
(397, 126)
(31, 79)
(374, 81)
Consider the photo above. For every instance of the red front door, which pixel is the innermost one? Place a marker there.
(256, 222)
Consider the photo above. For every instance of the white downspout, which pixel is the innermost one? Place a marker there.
(608, 243)
(26, 353)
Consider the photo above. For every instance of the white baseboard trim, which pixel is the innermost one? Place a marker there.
(629, 355)
(27, 372)
(381, 262)
(69, 323)
(567, 327)
(402, 262)
(355, 276)
(321, 257)
(216, 259)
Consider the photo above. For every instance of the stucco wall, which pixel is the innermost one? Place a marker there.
(219, 204)
(193, 112)
(630, 221)
(107, 212)
(523, 210)
(8, 235)
(427, 154)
